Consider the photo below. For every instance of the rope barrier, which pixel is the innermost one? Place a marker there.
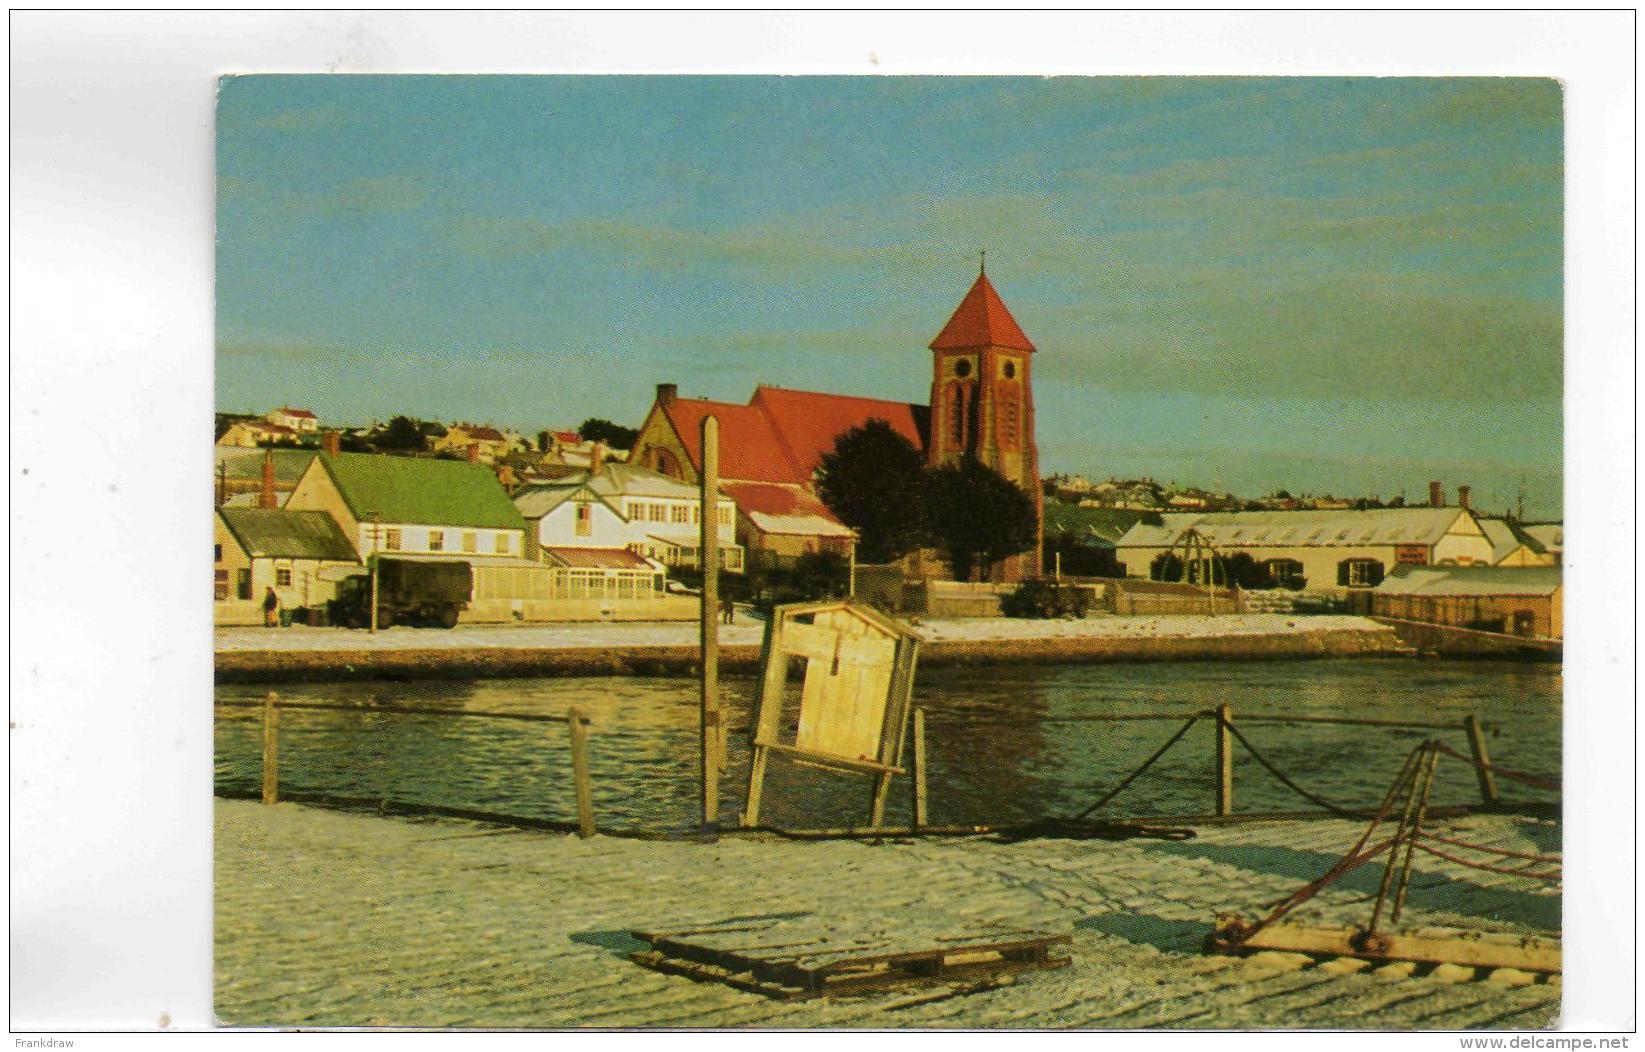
(1550, 877)
(1518, 776)
(1283, 779)
(1554, 859)
(1134, 774)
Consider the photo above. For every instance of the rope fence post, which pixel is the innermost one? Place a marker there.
(919, 767)
(1225, 761)
(1482, 761)
(579, 774)
(271, 748)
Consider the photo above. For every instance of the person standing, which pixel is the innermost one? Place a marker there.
(271, 609)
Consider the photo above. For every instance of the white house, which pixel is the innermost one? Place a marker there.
(627, 512)
(302, 421)
(1325, 549)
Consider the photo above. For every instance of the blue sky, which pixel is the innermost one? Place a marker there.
(1344, 285)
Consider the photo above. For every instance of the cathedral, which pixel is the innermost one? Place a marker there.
(982, 404)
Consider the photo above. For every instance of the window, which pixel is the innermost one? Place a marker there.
(436, 540)
(391, 540)
(725, 515)
(502, 544)
(1010, 370)
(242, 583)
(1359, 573)
(282, 577)
(679, 513)
(471, 541)
(585, 519)
(657, 512)
(696, 514)
(220, 585)
(962, 368)
(217, 554)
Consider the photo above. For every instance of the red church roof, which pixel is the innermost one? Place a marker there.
(981, 320)
(781, 435)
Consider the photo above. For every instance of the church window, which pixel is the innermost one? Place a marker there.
(956, 414)
(962, 368)
(1010, 370)
(1010, 428)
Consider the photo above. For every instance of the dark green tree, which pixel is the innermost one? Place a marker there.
(402, 433)
(594, 429)
(977, 516)
(874, 480)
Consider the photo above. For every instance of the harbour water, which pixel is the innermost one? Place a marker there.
(1003, 742)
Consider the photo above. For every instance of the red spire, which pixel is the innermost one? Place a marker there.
(981, 320)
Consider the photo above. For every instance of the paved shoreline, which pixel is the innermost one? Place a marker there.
(276, 655)
(327, 918)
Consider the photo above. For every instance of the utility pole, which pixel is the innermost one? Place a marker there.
(376, 521)
(709, 549)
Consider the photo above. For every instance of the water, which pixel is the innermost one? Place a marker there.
(995, 749)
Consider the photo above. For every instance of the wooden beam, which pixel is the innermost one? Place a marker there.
(919, 768)
(1482, 759)
(1225, 761)
(579, 775)
(1472, 949)
(271, 748)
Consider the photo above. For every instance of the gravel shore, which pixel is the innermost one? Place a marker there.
(327, 918)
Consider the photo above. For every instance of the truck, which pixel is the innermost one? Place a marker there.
(409, 592)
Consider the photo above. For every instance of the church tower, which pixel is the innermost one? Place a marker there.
(982, 402)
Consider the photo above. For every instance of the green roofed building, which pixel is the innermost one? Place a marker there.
(413, 507)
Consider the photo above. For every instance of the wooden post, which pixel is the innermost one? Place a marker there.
(919, 768)
(1225, 761)
(579, 774)
(271, 748)
(709, 551)
(1482, 760)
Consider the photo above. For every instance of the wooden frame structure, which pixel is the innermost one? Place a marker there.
(854, 702)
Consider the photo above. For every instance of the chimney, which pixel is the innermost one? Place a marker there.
(1436, 494)
(1462, 497)
(332, 442)
(267, 498)
(666, 393)
(474, 452)
(545, 441)
(596, 458)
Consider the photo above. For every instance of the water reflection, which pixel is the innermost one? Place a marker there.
(996, 747)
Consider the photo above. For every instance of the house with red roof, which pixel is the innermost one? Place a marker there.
(981, 405)
(300, 420)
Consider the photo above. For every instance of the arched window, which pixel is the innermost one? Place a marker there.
(665, 464)
(956, 415)
(1010, 414)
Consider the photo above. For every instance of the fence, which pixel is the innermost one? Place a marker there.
(575, 721)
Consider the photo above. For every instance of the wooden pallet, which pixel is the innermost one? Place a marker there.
(1469, 949)
(802, 956)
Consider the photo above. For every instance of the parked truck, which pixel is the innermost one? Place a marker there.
(409, 592)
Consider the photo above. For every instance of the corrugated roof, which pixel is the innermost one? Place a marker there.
(275, 533)
(1287, 528)
(610, 484)
(240, 464)
(597, 558)
(1551, 535)
(425, 492)
(1471, 580)
(981, 320)
(785, 509)
(1506, 538)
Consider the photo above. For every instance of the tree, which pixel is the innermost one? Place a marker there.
(402, 433)
(616, 436)
(976, 516)
(874, 480)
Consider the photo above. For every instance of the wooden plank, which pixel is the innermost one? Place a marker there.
(831, 762)
(708, 552)
(1225, 761)
(842, 706)
(1530, 952)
